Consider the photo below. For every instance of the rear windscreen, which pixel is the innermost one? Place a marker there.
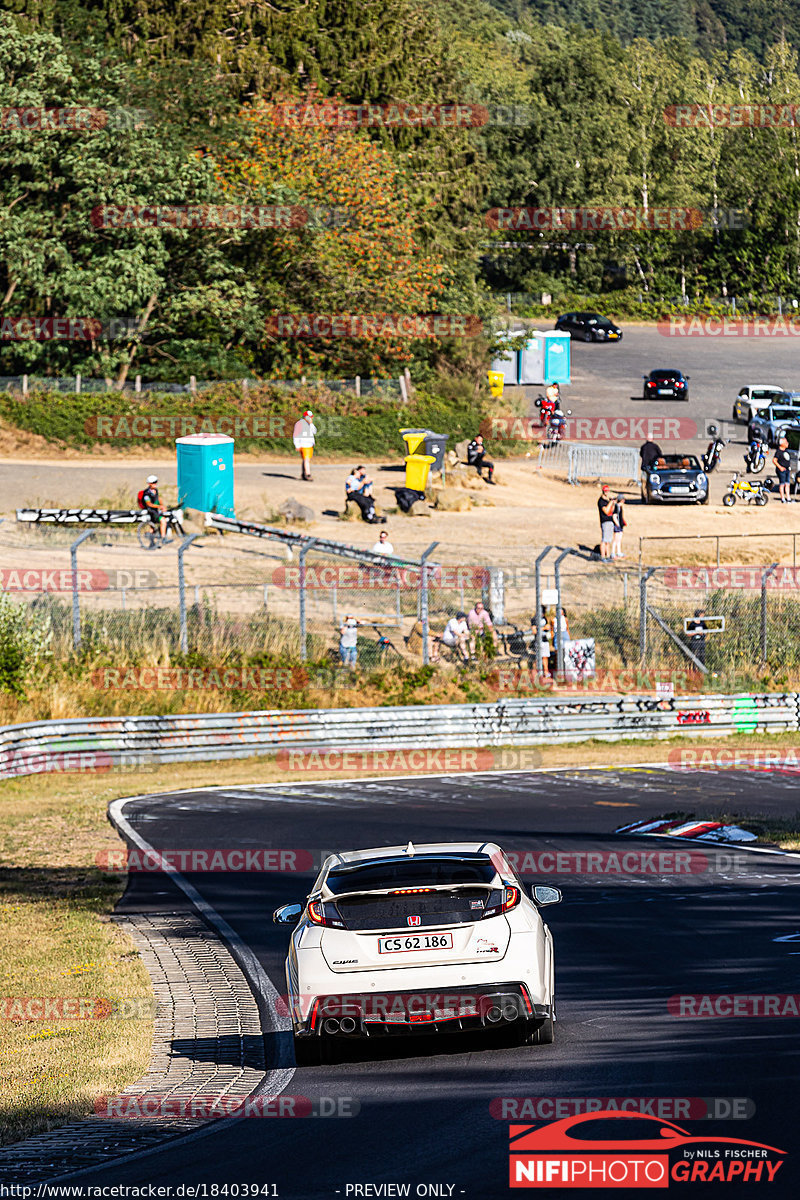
(420, 871)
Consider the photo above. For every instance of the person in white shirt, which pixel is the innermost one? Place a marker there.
(303, 436)
(457, 636)
(383, 545)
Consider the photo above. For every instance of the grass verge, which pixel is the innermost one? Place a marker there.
(56, 937)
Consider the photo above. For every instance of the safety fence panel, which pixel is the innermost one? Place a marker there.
(588, 461)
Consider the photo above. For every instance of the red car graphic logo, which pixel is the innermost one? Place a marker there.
(538, 1156)
(414, 920)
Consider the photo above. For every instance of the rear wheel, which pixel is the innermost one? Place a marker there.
(542, 1033)
(762, 498)
(149, 536)
(587, 337)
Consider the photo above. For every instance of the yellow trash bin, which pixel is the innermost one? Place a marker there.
(496, 381)
(413, 438)
(417, 468)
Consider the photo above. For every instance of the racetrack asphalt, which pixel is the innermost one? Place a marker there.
(624, 945)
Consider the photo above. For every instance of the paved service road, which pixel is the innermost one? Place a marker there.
(624, 945)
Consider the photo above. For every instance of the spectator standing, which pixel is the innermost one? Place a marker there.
(457, 636)
(697, 635)
(557, 623)
(304, 436)
(479, 619)
(476, 457)
(618, 518)
(782, 461)
(348, 641)
(605, 509)
(649, 453)
(383, 545)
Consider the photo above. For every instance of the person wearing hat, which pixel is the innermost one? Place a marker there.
(303, 436)
(348, 640)
(156, 511)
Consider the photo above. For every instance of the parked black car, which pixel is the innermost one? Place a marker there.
(589, 326)
(675, 477)
(665, 384)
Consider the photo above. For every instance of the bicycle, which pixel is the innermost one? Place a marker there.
(149, 532)
(743, 487)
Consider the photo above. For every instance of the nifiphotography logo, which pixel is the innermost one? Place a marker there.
(613, 1149)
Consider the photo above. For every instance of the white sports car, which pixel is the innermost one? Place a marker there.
(421, 939)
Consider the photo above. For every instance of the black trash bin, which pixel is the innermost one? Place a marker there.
(434, 444)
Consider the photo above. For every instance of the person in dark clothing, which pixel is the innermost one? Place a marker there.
(697, 635)
(783, 462)
(476, 457)
(649, 452)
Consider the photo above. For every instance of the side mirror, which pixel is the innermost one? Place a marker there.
(545, 895)
(687, 377)
(289, 914)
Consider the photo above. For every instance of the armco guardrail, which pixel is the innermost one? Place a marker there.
(50, 745)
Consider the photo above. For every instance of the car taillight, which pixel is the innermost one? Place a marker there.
(502, 901)
(651, 384)
(321, 913)
(679, 383)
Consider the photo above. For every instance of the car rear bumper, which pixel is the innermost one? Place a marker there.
(398, 1014)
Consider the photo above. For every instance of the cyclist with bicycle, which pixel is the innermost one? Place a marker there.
(156, 511)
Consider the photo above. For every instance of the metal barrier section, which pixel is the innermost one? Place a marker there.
(44, 746)
(589, 461)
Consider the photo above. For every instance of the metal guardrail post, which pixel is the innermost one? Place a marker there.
(537, 622)
(764, 577)
(643, 615)
(423, 600)
(76, 605)
(557, 631)
(302, 559)
(184, 637)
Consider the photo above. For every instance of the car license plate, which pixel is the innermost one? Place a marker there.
(665, 391)
(680, 491)
(406, 943)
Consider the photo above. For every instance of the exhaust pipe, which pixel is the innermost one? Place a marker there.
(494, 1014)
(510, 1012)
(331, 1025)
(348, 1025)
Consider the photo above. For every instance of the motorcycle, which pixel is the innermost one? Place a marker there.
(713, 453)
(558, 424)
(744, 488)
(756, 456)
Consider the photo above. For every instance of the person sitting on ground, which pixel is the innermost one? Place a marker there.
(156, 511)
(457, 636)
(478, 619)
(476, 457)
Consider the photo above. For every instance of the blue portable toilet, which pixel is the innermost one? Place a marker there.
(556, 356)
(205, 473)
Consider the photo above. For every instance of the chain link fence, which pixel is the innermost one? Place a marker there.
(222, 596)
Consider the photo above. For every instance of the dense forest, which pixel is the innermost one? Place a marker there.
(565, 115)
